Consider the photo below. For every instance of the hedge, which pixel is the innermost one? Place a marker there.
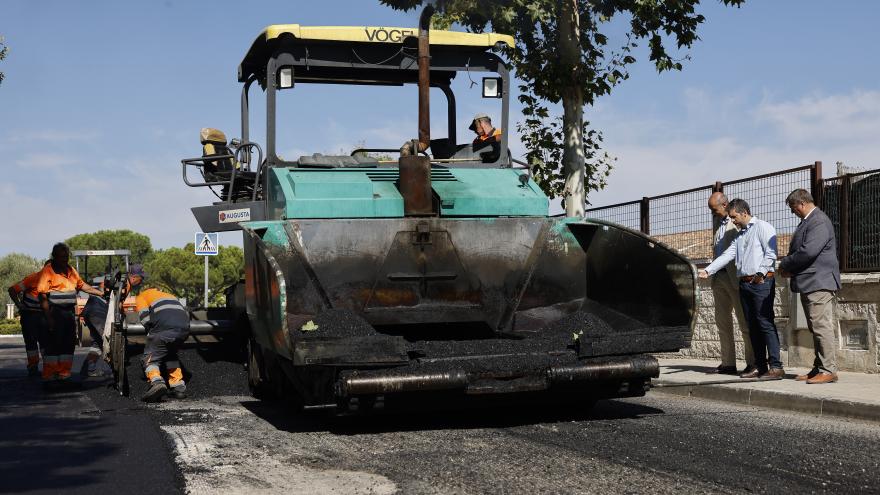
(9, 327)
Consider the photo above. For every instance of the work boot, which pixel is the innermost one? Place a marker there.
(178, 392)
(96, 368)
(91, 367)
(156, 391)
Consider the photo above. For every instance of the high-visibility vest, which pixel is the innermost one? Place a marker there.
(496, 134)
(31, 300)
(159, 311)
(60, 288)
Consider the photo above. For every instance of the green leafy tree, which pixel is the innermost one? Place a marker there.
(139, 245)
(562, 55)
(13, 268)
(3, 51)
(182, 273)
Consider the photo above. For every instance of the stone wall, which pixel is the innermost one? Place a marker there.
(856, 309)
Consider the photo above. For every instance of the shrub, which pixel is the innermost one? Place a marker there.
(10, 327)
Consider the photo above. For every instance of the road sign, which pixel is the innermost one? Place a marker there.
(206, 244)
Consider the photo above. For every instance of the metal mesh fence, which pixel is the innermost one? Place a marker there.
(864, 221)
(853, 204)
(766, 197)
(626, 214)
(830, 204)
(681, 220)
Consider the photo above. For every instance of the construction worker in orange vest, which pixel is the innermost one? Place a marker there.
(488, 137)
(25, 297)
(167, 325)
(57, 288)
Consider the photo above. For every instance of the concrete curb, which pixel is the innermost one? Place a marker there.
(776, 400)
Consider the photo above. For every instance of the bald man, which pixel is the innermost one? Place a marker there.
(725, 289)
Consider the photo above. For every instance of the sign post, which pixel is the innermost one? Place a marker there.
(206, 245)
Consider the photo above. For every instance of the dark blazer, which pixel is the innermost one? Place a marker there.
(812, 255)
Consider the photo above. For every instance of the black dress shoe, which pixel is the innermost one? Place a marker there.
(748, 369)
(725, 370)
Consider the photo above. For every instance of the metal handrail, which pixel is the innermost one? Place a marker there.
(771, 174)
(244, 149)
(616, 205)
(381, 150)
(202, 161)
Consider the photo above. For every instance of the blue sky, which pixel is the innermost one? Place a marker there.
(103, 98)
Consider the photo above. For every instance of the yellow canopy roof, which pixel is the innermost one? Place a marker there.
(378, 34)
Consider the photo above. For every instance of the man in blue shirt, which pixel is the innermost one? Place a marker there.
(725, 293)
(754, 252)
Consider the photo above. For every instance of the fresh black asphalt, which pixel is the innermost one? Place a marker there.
(92, 440)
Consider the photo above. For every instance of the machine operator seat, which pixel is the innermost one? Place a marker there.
(220, 170)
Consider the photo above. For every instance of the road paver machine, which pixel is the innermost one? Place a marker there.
(438, 273)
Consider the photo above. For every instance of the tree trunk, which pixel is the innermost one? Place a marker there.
(573, 159)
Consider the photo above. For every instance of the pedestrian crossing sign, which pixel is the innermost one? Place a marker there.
(206, 244)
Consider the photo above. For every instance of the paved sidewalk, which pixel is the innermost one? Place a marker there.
(855, 395)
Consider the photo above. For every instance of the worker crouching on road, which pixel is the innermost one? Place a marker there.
(167, 324)
(57, 288)
(26, 298)
(94, 313)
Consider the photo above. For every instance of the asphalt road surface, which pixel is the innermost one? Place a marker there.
(222, 441)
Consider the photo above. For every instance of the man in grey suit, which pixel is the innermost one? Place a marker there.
(813, 267)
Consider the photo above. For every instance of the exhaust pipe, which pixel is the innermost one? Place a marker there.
(425, 78)
(370, 385)
(196, 327)
(607, 369)
(415, 170)
(611, 369)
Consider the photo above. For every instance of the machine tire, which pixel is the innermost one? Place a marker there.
(258, 382)
(118, 344)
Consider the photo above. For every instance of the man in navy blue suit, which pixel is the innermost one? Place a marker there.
(815, 274)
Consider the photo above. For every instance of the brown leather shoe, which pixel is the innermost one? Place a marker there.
(823, 378)
(726, 370)
(754, 373)
(802, 378)
(748, 369)
(773, 374)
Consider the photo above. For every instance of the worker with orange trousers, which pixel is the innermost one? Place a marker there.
(27, 300)
(167, 325)
(57, 288)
